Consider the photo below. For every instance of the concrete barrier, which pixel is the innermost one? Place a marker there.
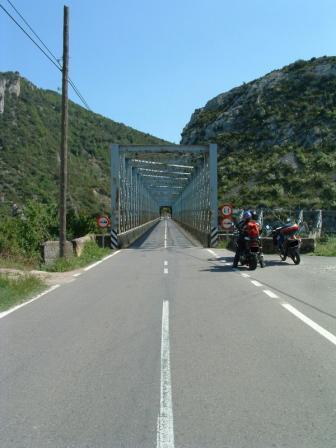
(125, 239)
(202, 237)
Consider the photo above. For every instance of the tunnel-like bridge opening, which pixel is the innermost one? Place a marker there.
(166, 211)
(148, 182)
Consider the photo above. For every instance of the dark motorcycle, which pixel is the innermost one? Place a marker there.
(288, 242)
(251, 254)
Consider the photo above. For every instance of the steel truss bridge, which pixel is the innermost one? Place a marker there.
(144, 179)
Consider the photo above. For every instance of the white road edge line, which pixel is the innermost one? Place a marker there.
(270, 294)
(165, 426)
(77, 275)
(311, 323)
(256, 283)
(5, 313)
(213, 253)
(100, 261)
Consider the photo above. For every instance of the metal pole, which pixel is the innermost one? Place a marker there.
(64, 134)
(213, 194)
(114, 196)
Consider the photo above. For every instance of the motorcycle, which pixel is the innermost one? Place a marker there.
(288, 241)
(252, 253)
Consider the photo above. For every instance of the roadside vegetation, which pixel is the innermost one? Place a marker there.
(15, 290)
(21, 236)
(326, 246)
(90, 254)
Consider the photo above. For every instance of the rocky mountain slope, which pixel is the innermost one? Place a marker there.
(29, 147)
(276, 137)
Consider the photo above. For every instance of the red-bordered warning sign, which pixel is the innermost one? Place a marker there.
(103, 221)
(226, 223)
(226, 210)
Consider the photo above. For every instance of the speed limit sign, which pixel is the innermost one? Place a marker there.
(226, 210)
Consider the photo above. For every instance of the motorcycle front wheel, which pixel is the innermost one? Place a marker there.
(295, 256)
(283, 255)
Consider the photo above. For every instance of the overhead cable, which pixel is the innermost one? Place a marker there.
(53, 58)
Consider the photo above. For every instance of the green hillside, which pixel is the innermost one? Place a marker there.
(276, 137)
(29, 147)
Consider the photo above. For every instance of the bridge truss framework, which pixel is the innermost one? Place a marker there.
(145, 178)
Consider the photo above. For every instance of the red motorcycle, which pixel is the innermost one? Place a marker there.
(288, 242)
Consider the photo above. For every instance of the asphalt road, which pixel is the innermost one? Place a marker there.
(165, 345)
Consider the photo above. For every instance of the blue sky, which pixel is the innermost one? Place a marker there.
(150, 63)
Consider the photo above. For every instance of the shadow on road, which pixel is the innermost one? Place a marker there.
(218, 268)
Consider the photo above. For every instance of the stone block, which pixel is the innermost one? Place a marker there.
(79, 243)
(50, 251)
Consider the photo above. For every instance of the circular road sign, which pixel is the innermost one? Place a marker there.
(226, 210)
(226, 223)
(103, 221)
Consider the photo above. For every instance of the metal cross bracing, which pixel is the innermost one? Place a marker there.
(145, 178)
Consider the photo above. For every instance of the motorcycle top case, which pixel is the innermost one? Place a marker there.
(252, 229)
(290, 229)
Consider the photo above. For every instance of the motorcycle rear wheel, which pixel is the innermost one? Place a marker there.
(252, 264)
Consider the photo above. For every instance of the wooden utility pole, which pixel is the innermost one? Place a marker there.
(64, 135)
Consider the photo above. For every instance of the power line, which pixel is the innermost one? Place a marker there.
(35, 34)
(53, 58)
(57, 66)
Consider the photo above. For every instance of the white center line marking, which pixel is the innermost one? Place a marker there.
(256, 283)
(100, 261)
(244, 275)
(165, 270)
(165, 237)
(270, 294)
(165, 426)
(5, 313)
(166, 263)
(311, 323)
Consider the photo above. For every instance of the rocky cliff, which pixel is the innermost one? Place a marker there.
(30, 122)
(8, 86)
(276, 137)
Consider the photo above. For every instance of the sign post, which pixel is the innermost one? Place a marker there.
(226, 211)
(103, 222)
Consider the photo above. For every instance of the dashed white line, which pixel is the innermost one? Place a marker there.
(323, 332)
(165, 236)
(165, 263)
(165, 426)
(256, 283)
(5, 313)
(244, 275)
(165, 270)
(270, 294)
